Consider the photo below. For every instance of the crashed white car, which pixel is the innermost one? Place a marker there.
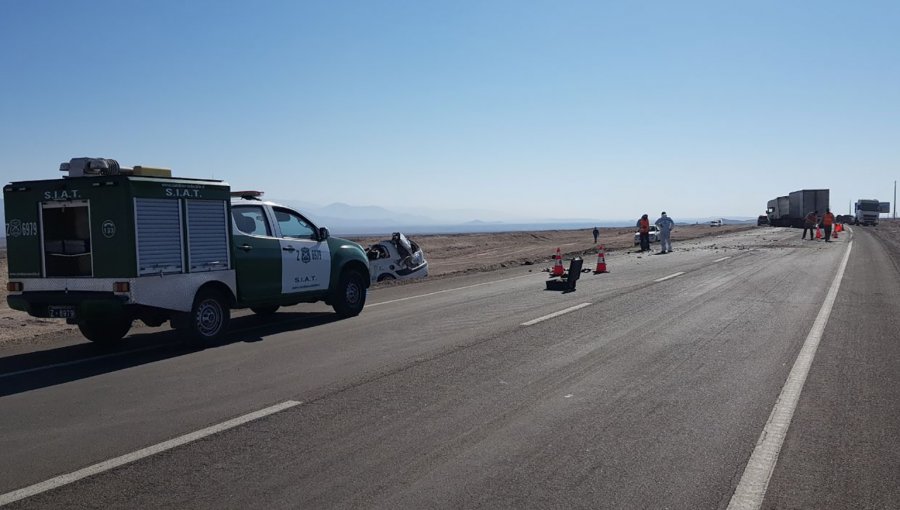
(654, 235)
(396, 259)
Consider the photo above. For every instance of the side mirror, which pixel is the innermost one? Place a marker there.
(323, 233)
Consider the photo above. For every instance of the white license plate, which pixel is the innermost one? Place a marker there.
(61, 312)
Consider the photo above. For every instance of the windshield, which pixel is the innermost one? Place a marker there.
(868, 206)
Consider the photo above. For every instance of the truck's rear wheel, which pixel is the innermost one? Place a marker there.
(210, 316)
(105, 331)
(350, 296)
(264, 310)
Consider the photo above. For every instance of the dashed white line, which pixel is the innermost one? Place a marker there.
(723, 258)
(556, 314)
(66, 479)
(447, 290)
(235, 331)
(664, 278)
(751, 490)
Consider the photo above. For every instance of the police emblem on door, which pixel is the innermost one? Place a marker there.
(108, 228)
(304, 255)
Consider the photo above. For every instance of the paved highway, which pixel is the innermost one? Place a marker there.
(649, 387)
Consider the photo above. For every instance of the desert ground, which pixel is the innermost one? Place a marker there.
(447, 255)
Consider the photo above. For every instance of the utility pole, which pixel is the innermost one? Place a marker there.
(895, 199)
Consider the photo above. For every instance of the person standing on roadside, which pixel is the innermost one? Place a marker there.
(809, 223)
(643, 226)
(665, 225)
(827, 222)
(596, 234)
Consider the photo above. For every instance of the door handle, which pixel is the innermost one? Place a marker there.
(289, 248)
(246, 247)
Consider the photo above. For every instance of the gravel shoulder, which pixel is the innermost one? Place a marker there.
(888, 233)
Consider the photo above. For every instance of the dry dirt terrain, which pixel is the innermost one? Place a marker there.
(463, 253)
(446, 254)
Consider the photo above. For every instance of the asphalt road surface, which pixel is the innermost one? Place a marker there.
(648, 387)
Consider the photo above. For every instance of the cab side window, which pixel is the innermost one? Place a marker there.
(251, 220)
(293, 225)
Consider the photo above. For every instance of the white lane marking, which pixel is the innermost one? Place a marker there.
(723, 258)
(66, 479)
(87, 360)
(447, 290)
(751, 490)
(236, 331)
(664, 278)
(555, 314)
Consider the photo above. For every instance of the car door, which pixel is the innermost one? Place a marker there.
(257, 255)
(305, 260)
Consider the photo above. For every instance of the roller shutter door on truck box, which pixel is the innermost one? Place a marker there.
(207, 235)
(159, 236)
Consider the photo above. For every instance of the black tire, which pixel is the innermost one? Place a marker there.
(264, 310)
(349, 298)
(386, 277)
(209, 317)
(105, 331)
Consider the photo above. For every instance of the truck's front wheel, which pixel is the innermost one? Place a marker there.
(105, 331)
(210, 316)
(350, 296)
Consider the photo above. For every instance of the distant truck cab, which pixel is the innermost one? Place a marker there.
(106, 245)
(866, 212)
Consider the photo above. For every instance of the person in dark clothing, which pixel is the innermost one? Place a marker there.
(596, 234)
(643, 226)
(809, 223)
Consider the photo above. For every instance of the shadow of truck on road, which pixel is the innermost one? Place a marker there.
(28, 371)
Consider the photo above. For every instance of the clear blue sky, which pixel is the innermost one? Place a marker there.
(532, 109)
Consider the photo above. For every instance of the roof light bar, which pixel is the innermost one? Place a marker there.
(250, 195)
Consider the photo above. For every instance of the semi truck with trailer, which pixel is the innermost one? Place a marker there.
(790, 210)
(105, 246)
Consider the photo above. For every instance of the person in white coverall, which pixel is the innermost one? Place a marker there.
(665, 225)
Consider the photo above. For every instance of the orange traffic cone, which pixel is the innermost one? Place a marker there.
(818, 232)
(601, 261)
(837, 228)
(558, 269)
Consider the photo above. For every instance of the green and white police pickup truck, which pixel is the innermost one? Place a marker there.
(105, 246)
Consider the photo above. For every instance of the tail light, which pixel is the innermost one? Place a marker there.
(14, 287)
(121, 287)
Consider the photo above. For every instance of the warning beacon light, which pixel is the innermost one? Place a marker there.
(247, 195)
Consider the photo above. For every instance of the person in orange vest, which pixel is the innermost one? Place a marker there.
(643, 226)
(827, 222)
